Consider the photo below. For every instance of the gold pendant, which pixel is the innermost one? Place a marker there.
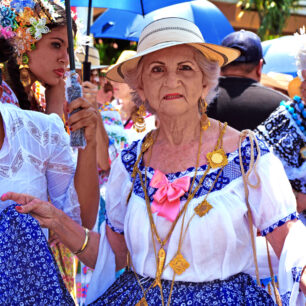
(160, 267)
(303, 152)
(217, 158)
(179, 264)
(142, 302)
(203, 208)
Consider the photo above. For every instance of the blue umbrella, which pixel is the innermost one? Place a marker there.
(126, 25)
(279, 54)
(141, 7)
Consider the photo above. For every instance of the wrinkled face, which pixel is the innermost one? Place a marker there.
(49, 60)
(172, 81)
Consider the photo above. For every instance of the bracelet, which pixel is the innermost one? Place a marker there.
(85, 242)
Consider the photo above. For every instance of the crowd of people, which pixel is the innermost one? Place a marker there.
(167, 204)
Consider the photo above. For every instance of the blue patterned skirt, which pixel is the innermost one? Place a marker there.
(28, 272)
(239, 289)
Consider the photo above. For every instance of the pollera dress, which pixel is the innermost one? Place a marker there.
(217, 246)
(35, 159)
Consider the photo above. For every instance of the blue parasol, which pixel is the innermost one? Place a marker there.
(120, 24)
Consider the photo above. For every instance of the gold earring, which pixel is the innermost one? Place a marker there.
(205, 123)
(139, 119)
(24, 71)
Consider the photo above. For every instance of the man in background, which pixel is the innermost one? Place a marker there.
(242, 101)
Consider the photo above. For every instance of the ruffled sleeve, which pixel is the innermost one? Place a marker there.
(117, 191)
(273, 202)
(60, 171)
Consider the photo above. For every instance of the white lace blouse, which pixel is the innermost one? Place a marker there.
(217, 245)
(36, 159)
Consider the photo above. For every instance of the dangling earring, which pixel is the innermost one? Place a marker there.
(139, 119)
(1, 88)
(24, 71)
(205, 123)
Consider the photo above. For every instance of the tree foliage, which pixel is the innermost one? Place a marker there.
(273, 15)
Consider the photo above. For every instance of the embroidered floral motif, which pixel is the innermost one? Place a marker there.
(239, 289)
(286, 138)
(230, 172)
(36, 279)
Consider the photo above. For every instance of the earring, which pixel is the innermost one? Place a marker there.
(24, 71)
(205, 123)
(139, 119)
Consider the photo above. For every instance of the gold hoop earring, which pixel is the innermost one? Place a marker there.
(139, 119)
(205, 123)
(24, 71)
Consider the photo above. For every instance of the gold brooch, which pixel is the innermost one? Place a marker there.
(217, 158)
(203, 208)
(179, 264)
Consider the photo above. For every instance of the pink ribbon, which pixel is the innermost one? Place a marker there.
(167, 197)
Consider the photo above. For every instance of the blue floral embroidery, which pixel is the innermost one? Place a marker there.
(296, 274)
(239, 289)
(285, 298)
(230, 172)
(29, 275)
(272, 227)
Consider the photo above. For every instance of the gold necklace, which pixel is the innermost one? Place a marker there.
(179, 264)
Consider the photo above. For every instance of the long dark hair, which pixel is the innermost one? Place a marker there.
(12, 71)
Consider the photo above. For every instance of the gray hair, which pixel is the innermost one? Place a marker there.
(210, 70)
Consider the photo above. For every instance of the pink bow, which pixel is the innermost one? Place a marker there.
(167, 197)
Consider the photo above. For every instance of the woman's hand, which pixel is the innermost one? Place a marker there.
(85, 118)
(90, 92)
(55, 98)
(43, 211)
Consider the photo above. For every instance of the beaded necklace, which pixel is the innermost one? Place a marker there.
(216, 158)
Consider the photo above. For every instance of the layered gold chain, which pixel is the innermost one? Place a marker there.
(216, 158)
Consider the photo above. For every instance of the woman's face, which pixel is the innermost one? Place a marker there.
(172, 81)
(48, 62)
(121, 91)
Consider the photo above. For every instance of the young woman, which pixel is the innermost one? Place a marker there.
(34, 48)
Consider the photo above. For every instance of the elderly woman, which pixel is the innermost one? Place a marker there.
(181, 202)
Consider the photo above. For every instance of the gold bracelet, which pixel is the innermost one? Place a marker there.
(85, 242)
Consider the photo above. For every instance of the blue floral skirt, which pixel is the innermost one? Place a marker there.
(239, 289)
(28, 272)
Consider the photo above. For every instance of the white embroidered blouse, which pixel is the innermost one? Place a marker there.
(217, 245)
(36, 159)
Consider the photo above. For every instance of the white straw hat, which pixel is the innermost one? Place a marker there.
(168, 32)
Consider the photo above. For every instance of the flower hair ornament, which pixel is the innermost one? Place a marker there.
(24, 22)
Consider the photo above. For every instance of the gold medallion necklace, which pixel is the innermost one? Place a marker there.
(216, 158)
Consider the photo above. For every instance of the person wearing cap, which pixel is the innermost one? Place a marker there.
(182, 203)
(242, 100)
